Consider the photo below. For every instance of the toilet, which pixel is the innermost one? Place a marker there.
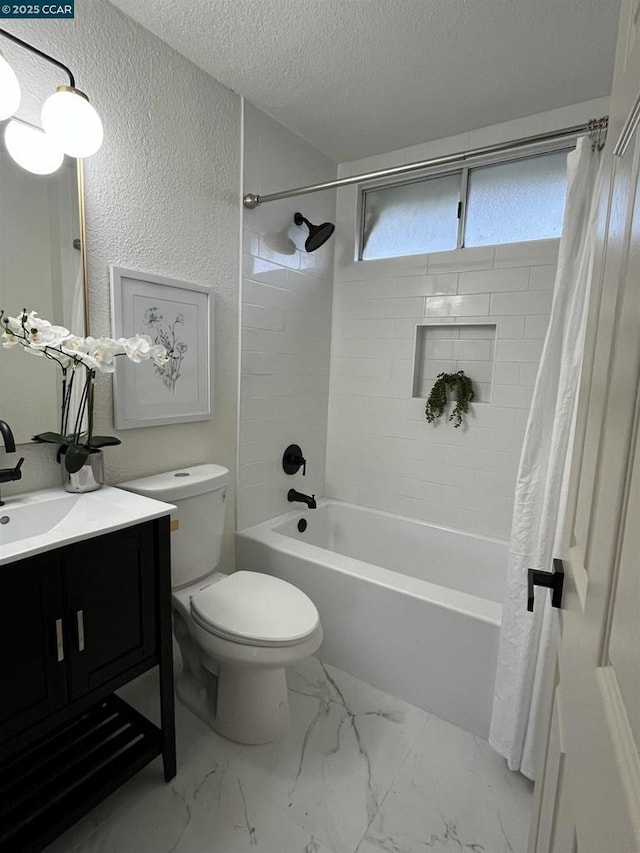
(237, 632)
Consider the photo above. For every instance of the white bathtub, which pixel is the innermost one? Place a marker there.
(411, 608)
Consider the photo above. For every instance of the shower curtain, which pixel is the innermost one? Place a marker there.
(526, 638)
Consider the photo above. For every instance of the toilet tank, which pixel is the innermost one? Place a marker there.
(199, 494)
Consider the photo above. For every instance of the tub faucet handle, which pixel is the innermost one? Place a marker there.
(293, 460)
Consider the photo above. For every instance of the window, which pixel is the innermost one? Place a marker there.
(412, 218)
(517, 200)
(504, 202)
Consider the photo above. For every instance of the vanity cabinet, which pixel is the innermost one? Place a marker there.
(78, 623)
(110, 592)
(34, 685)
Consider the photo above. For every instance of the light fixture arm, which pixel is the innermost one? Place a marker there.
(42, 54)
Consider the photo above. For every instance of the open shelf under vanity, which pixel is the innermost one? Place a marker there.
(53, 782)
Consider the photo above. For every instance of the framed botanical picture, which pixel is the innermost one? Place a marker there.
(180, 316)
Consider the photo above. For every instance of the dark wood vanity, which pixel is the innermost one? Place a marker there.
(79, 622)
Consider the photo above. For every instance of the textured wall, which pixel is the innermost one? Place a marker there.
(286, 321)
(162, 196)
(381, 452)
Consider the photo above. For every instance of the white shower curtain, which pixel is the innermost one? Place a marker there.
(526, 638)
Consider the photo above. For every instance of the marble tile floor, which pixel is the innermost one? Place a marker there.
(359, 772)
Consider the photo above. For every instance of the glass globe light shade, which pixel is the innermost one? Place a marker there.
(9, 90)
(71, 122)
(31, 148)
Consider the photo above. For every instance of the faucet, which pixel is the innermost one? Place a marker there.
(7, 437)
(8, 475)
(305, 499)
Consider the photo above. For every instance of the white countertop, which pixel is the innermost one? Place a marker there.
(73, 518)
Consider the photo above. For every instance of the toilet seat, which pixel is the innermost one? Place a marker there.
(255, 609)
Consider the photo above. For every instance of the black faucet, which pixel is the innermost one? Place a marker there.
(8, 475)
(305, 499)
(7, 437)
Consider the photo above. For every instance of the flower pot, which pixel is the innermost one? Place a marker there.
(89, 478)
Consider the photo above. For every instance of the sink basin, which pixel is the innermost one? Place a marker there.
(22, 519)
(37, 522)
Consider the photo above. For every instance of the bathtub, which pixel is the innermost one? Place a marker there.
(409, 607)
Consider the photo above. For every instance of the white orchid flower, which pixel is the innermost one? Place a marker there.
(74, 345)
(41, 332)
(158, 354)
(103, 350)
(93, 363)
(9, 339)
(39, 336)
(98, 353)
(13, 324)
(138, 348)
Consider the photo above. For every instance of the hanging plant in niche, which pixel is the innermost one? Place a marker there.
(459, 386)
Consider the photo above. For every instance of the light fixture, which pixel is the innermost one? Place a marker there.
(31, 148)
(71, 122)
(71, 125)
(9, 90)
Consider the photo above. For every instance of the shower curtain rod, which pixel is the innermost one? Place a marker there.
(596, 129)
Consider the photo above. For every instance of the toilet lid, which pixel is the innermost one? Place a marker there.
(256, 608)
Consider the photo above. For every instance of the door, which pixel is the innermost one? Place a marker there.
(110, 589)
(33, 647)
(588, 799)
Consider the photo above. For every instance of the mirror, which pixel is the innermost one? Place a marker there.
(42, 257)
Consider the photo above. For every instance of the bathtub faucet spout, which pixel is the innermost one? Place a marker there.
(305, 499)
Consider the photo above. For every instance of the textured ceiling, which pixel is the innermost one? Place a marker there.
(359, 77)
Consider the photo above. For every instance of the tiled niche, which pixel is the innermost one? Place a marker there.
(449, 347)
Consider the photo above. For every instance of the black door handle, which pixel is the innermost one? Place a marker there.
(553, 580)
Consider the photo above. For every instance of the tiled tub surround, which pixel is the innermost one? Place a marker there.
(409, 607)
(381, 452)
(286, 322)
(359, 772)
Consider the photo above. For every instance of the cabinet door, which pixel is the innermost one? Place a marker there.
(110, 588)
(33, 647)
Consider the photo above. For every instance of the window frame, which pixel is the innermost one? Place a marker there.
(467, 164)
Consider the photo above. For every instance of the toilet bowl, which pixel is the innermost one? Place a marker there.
(236, 633)
(242, 630)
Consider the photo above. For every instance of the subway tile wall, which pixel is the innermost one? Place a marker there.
(286, 322)
(381, 451)
(451, 347)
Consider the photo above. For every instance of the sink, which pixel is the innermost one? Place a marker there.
(37, 522)
(24, 518)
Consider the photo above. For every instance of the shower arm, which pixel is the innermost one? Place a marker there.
(596, 129)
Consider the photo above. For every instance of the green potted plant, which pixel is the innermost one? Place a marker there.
(456, 384)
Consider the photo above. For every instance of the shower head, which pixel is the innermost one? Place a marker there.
(318, 234)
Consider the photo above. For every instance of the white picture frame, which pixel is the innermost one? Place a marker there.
(180, 316)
